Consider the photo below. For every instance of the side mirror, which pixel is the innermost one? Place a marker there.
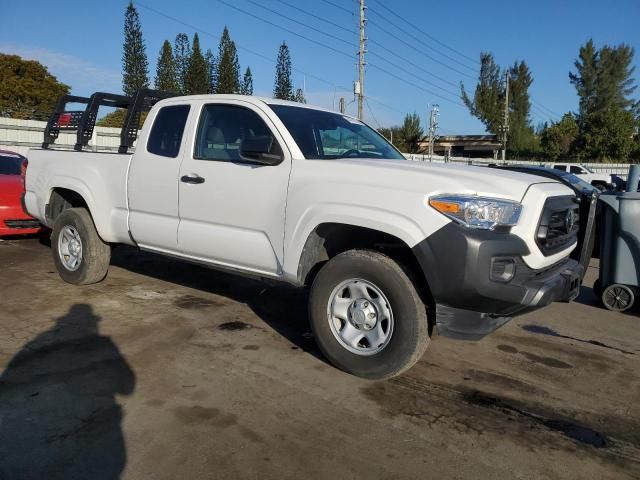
(258, 150)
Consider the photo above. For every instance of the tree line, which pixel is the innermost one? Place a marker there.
(605, 127)
(186, 69)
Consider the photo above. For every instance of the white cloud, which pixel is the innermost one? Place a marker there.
(82, 76)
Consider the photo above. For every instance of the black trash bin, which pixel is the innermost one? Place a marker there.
(619, 280)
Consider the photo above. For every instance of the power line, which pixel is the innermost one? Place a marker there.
(426, 34)
(317, 17)
(391, 74)
(405, 59)
(433, 59)
(340, 52)
(240, 47)
(455, 94)
(543, 108)
(395, 65)
(389, 107)
(372, 114)
(339, 7)
(424, 44)
(279, 14)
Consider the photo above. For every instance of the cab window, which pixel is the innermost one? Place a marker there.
(222, 128)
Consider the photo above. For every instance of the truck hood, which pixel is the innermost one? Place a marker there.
(443, 177)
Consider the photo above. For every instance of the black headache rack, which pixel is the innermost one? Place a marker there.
(84, 121)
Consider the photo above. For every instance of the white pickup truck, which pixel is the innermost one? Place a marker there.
(391, 248)
(600, 180)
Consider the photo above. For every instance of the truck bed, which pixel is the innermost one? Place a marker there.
(101, 179)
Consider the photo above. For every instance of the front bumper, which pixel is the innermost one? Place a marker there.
(457, 264)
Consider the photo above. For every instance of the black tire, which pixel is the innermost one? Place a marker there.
(410, 335)
(618, 297)
(96, 254)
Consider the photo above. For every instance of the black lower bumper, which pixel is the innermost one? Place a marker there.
(459, 263)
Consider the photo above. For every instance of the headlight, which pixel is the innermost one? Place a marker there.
(478, 212)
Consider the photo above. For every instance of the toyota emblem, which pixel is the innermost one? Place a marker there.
(569, 221)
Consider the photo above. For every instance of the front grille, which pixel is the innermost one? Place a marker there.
(22, 224)
(559, 224)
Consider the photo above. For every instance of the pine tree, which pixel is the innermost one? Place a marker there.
(166, 70)
(197, 77)
(488, 100)
(247, 83)
(135, 66)
(410, 133)
(212, 66)
(521, 139)
(283, 87)
(604, 84)
(228, 65)
(299, 96)
(586, 77)
(182, 54)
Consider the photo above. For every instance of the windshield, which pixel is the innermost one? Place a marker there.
(326, 135)
(587, 168)
(10, 164)
(578, 182)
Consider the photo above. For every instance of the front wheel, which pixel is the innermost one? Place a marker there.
(80, 255)
(366, 315)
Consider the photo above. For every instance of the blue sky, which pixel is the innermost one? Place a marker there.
(81, 43)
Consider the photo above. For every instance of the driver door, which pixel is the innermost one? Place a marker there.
(232, 212)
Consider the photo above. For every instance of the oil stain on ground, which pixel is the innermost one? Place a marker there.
(191, 302)
(234, 326)
(436, 404)
(549, 331)
(546, 361)
(580, 433)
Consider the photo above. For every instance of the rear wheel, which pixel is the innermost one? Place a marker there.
(367, 316)
(80, 255)
(618, 298)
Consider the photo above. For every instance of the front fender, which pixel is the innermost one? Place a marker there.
(393, 223)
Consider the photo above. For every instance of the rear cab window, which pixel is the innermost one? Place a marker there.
(167, 130)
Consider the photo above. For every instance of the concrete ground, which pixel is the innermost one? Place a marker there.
(167, 370)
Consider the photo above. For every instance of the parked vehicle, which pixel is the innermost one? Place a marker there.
(603, 181)
(14, 220)
(390, 248)
(587, 196)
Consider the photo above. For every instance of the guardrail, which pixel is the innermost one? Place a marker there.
(620, 169)
(21, 135)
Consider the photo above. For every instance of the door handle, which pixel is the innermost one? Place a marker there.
(192, 178)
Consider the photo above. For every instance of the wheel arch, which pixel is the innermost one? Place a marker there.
(329, 239)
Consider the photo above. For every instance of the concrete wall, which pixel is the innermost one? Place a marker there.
(21, 135)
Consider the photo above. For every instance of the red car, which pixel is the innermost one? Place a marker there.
(13, 219)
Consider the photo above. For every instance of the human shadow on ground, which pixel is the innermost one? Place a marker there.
(59, 418)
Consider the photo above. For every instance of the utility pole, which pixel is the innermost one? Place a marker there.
(359, 85)
(505, 125)
(433, 127)
(341, 105)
